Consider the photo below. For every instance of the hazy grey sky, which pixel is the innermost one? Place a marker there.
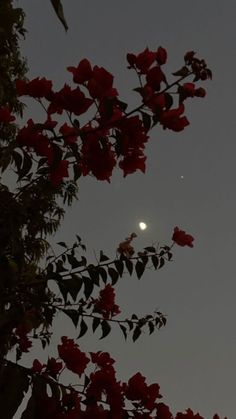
(194, 357)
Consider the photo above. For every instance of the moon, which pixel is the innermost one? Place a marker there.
(142, 225)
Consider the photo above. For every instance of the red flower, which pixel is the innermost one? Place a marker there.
(137, 389)
(105, 304)
(72, 100)
(173, 120)
(181, 238)
(53, 367)
(200, 92)
(161, 56)
(102, 359)
(75, 360)
(154, 78)
(82, 73)
(69, 133)
(5, 115)
(37, 88)
(133, 162)
(58, 173)
(188, 415)
(97, 157)
(142, 61)
(100, 85)
(163, 411)
(37, 366)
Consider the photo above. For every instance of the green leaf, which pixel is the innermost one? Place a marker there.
(113, 274)
(119, 266)
(74, 285)
(73, 315)
(88, 286)
(62, 244)
(96, 322)
(102, 273)
(93, 273)
(74, 263)
(150, 249)
(106, 328)
(147, 121)
(129, 265)
(137, 332)
(139, 268)
(60, 13)
(183, 72)
(14, 384)
(27, 164)
(83, 328)
(103, 258)
(31, 409)
(151, 327)
(162, 263)
(155, 261)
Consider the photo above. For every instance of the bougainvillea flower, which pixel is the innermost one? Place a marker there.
(155, 77)
(188, 415)
(133, 162)
(163, 411)
(97, 157)
(181, 238)
(141, 61)
(100, 85)
(72, 100)
(37, 88)
(5, 115)
(53, 367)
(69, 133)
(105, 303)
(161, 56)
(59, 172)
(82, 73)
(75, 360)
(37, 366)
(102, 359)
(173, 120)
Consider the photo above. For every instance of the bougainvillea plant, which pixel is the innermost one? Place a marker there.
(48, 159)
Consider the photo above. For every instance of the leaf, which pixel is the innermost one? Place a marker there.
(106, 328)
(94, 274)
(162, 263)
(96, 322)
(150, 249)
(60, 13)
(88, 286)
(147, 121)
(114, 275)
(129, 265)
(74, 285)
(31, 409)
(137, 332)
(123, 328)
(14, 383)
(103, 258)
(62, 244)
(17, 157)
(155, 261)
(139, 268)
(27, 164)
(102, 273)
(151, 327)
(119, 266)
(73, 315)
(183, 72)
(83, 328)
(130, 324)
(74, 263)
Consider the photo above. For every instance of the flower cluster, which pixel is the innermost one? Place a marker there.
(181, 238)
(113, 137)
(103, 396)
(105, 303)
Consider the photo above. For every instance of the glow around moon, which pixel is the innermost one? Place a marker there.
(142, 225)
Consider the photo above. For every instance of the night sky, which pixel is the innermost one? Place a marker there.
(194, 358)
